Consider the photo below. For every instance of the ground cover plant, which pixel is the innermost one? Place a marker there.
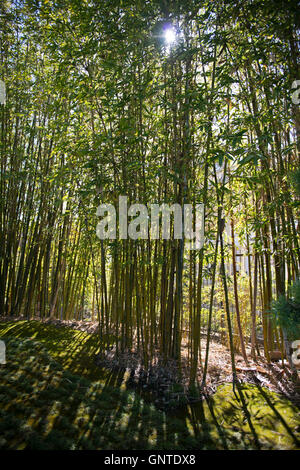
(45, 405)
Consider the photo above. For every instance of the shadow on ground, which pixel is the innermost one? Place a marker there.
(53, 396)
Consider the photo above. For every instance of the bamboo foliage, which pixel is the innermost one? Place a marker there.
(97, 107)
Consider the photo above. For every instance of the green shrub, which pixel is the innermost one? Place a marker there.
(295, 179)
(286, 311)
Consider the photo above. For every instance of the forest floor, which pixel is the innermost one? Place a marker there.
(53, 394)
(162, 384)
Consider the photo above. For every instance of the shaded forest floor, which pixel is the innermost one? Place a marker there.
(160, 382)
(54, 396)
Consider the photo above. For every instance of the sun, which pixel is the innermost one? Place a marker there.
(170, 35)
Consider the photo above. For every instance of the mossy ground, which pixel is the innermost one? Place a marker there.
(53, 396)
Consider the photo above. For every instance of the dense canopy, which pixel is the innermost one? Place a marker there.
(175, 102)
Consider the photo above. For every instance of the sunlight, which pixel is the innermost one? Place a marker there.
(149, 212)
(170, 35)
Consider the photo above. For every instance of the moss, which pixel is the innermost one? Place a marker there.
(44, 404)
(270, 418)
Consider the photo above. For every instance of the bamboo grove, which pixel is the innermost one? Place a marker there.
(97, 106)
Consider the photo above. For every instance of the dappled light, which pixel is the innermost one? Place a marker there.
(55, 403)
(149, 226)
